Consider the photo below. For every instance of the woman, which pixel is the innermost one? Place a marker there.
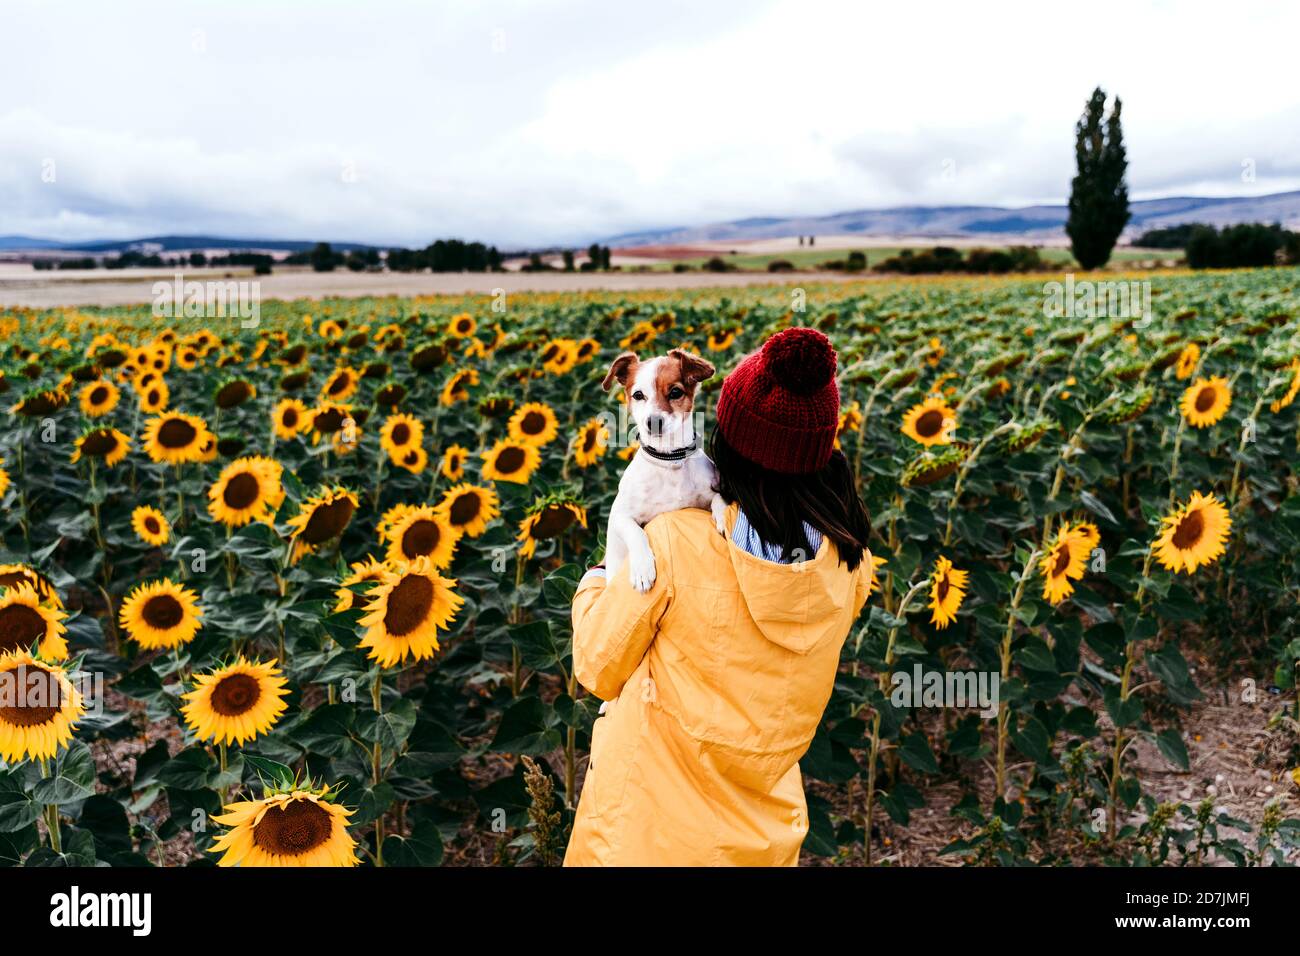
(723, 668)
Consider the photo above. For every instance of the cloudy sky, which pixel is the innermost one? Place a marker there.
(553, 121)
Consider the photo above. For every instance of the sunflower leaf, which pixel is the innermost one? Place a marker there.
(272, 770)
(72, 777)
(390, 728)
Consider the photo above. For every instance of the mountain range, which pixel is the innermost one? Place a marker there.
(166, 244)
(993, 222)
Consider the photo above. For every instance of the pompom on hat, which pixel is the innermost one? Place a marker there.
(780, 407)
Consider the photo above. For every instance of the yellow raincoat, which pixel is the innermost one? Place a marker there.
(721, 672)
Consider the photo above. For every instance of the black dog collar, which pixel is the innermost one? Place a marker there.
(676, 454)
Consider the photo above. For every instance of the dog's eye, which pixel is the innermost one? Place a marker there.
(675, 393)
(638, 395)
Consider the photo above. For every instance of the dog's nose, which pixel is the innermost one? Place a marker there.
(655, 423)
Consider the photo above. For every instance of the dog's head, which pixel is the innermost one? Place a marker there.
(661, 395)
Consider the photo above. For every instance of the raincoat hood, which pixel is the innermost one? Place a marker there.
(793, 605)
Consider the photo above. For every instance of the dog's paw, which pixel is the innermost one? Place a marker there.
(719, 510)
(641, 570)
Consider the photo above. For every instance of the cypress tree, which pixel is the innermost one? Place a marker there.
(1098, 194)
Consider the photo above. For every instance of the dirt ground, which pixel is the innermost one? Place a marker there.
(23, 286)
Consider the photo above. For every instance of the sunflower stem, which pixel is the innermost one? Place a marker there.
(1005, 660)
(376, 764)
(52, 814)
(965, 470)
(223, 792)
(570, 751)
(882, 682)
(1130, 658)
(1241, 448)
(230, 563)
(24, 518)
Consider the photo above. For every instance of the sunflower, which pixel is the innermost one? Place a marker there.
(721, 341)
(154, 398)
(289, 417)
(1193, 535)
(151, 525)
(340, 386)
(559, 355)
(587, 350)
(401, 433)
(534, 424)
(642, 334)
(28, 624)
(453, 462)
(931, 422)
(457, 387)
(628, 453)
(12, 575)
(462, 326)
(106, 444)
(38, 707)
(248, 489)
(176, 438)
(321, 518)
(161, 615)
(414, 460)
(931, 467)
(1287, 397)
(1206, 401)
(40, 402)
(1091, 534)
(549, 517)
(947, 591)
(1065, 560)
(468, 508)
(389, 519)
(368, 571)
(1128, 407)
(496, 405)
(422, 532)
(1187, 360)
(4, 480)
(850, 421)
(1023, 437)
(590, 443)
(405, 612)
(511, 461)
(301, 826)
(334, 422)
(233, 393)
(235, 703)
(98, 398)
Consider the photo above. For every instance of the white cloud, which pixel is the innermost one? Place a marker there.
(520, 122)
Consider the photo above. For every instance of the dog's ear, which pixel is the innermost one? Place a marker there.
(694, 368)
(621, 369)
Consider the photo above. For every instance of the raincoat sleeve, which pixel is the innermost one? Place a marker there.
(867, 582)
(614, 623)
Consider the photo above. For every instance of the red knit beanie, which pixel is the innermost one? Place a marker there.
(780, 407)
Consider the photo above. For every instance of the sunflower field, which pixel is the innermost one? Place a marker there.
(297, 594)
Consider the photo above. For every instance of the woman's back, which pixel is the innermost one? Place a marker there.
(721, 673)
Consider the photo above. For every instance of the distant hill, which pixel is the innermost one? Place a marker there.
(995, 222)
(167, 244)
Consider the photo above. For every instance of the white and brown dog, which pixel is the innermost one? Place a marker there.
(670, 469)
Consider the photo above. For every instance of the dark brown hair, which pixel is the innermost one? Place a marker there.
(777, 505)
